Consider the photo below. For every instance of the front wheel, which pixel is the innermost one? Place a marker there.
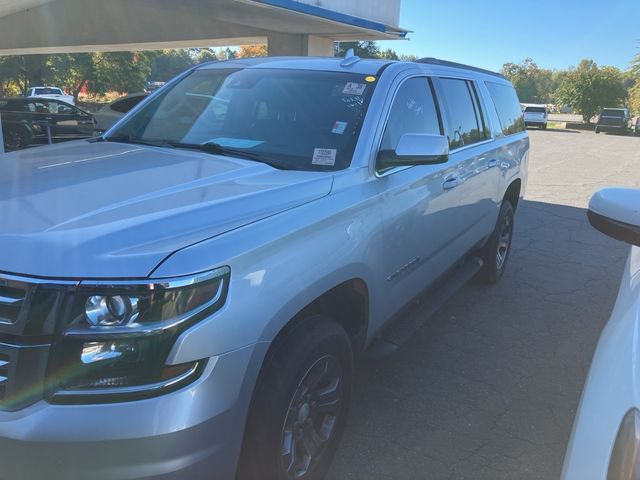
(496, 252)
(300, 405)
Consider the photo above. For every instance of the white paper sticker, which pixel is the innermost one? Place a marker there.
(339, 128)
(324, 156)
(354, 88)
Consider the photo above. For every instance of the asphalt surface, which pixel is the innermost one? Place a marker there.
(488, 389)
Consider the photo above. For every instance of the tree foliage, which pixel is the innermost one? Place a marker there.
(250, 51)
(533, 84)
(589, 88)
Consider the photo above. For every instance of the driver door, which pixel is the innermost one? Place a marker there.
(415, 202)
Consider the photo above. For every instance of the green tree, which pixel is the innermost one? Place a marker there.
(525, 78)
(122, 71)
(634, 98)
(170, 63)
(205, 55)
(72, 72)
(589, 88)
(389, 54)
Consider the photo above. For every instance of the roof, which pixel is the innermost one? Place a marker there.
(331, 64)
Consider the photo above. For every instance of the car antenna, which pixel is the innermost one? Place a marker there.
(350, 58)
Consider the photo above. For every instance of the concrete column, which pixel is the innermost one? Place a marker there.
(286, 44)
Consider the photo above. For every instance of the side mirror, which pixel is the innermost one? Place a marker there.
(416, 149)
(616, 213)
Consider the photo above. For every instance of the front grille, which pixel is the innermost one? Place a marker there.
(29, 311)
(4, 374)
(11, 301)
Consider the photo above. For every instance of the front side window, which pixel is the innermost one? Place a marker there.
(413, 111)
(291, 119)
(465, 120)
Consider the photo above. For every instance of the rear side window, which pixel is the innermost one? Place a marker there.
(413, 111)
(126, 104)
(507, 105)
(464, 116)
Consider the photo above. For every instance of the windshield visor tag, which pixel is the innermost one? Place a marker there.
(339, 128)
(324, 156)
(354, 88)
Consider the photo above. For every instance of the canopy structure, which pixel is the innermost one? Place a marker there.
(289, 27)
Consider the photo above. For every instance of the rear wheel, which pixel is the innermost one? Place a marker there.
(597, 130)
(300, 405)
(496, 252)
(543, 126)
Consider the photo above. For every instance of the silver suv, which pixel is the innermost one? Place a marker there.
(184, 297)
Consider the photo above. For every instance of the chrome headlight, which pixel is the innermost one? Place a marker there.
(117, 336)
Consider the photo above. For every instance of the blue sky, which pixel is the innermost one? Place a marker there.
(555, 34)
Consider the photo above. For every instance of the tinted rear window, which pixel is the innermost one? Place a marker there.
(48, 91)
(507, 105)
(613, 113)
(535, 110)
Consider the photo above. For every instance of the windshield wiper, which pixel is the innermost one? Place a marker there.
(217, 149)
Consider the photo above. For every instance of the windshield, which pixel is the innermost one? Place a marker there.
(535, 110)
(291, 119)
(48, 91)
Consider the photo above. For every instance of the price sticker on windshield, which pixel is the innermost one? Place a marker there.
(324, 156)
(354, 88)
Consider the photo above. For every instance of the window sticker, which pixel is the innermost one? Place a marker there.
(339, 128)
(324, 156)
(354, 88)
(236, 142)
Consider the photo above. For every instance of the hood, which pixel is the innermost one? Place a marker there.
(110, 210)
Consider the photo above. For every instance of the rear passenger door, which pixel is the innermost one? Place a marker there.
(474, 183)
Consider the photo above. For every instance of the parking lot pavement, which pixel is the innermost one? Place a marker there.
(489, 387)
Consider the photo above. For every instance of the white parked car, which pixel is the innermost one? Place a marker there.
(53, 93)
(535, 116)
(108, 115)
(605, 443)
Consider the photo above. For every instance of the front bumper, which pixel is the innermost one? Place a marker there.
(194, 433)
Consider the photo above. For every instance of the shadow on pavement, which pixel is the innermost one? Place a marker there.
(487, 390)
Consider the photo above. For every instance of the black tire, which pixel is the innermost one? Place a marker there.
(15, 139)
(287, 404)
(495, 253)
(597, 131)
(544, 126)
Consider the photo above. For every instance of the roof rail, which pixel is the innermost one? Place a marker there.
(446, 63)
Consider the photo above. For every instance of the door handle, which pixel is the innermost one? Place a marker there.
(451, 182)
(492, 163)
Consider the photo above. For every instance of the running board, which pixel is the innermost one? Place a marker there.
(411, 321)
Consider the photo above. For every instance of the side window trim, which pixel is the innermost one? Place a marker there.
(432, 80)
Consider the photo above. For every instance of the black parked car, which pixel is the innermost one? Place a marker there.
(614, 120)
(33, 121)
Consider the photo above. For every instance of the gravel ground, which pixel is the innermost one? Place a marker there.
(489, 387)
